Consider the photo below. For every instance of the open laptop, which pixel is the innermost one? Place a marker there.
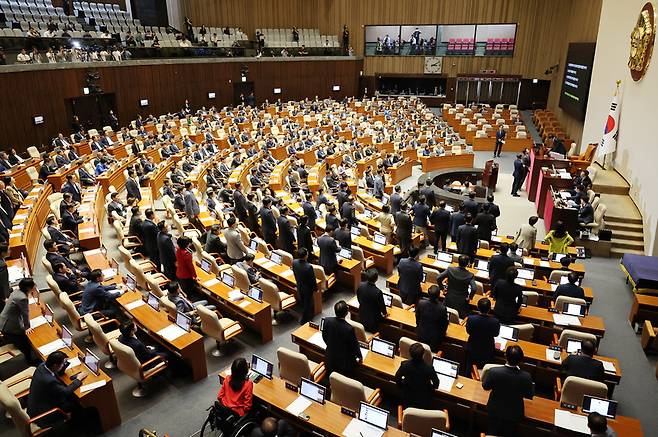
(574, 346)
(345, 253)
(445, 368)
(48, 314)
(439, 433)
(373, 416)
(153, 301)
(482, 265)
(131, 283)
(573, 309)
(558, 256)
(388, 299)
(276, 258)
(184, 321)
(253, 245)
(379, 238)
(228, 279)
(260, 367)
(67, 337)
(509, 333)
(382, 347)
(604, 407)
(312, 391)
(368, 213)
(92, 362)
(256, 294)
(205, 266)
(526, 274)
(355, 231)
(445, 257)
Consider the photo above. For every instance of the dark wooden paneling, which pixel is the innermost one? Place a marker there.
(43, 92)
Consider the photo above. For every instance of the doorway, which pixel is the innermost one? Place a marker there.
(241, 91)
(93, 110)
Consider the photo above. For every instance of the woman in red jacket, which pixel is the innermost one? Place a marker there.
(185, 271)
(237, 390)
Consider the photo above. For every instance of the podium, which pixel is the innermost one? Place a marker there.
(536, 164)
(548, 179)
(554, 213)
(490, 175)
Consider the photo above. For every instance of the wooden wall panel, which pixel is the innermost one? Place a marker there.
(166, 86)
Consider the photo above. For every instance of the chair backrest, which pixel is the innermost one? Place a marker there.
(319, 273)
(168, 306)
(241, 278)
(47, 264)
(359, 330)
(125, 253)
(33, 152)
(97, 334)
(210, 323)
(126, 360)
(292, 365)
(526, 331)
(563, 300)
(154, 285)
(71, 311)
(396, 301)
(486, 368)
(12, 406)
(453, 315)
(405, 343)
(557, 275)
(270, 293)
(574, 388)
(570, 334)
(420, 422)
(136, 270)
(32, 173)
(346, 392)
(432, 275)
(532, 298)
(286, 258)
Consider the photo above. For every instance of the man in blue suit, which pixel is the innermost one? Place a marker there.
(97, 297)
(518, 174)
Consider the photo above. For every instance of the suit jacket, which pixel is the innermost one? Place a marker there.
(471, 206)
(67, 283)
(486, 224)
(5, 288)
(467, 239)
(583, 366)
(411, 276)
(70, 222)
(96, 297)
(214, 244)
(342, 346)
(348, 212)
(47, 391)
(498, 265)
(150, 232)
(135, 227)
(372, 308)
(305, 278)
(586, 214)
(518, 169)
(74, 189)
(240, 205)
(328, 251)
(431, 323)
(344, 237)
(309, 212)
(252, 273)
(268, 223)
(461, 287)
(440, 219)
(570, 290)
(304, 238)
(15, 316)
(132, 188)
(286, 235)
(191, 204)
(403, 227)
(395, 201)
(457, 219)
(509, 297)
(509, 386)
(60, 160)
(55, 258)
(235, 248)
(500, 135)
(142, 353)
(526, 236)
(58, 236)
(417, 381)
(481, 329)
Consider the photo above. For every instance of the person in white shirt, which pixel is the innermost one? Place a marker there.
(104, 54)
(93, 56)
(50, 56)
(49, 34)
(116, 55)
(185, 42)
(23, 57)
(35, 56)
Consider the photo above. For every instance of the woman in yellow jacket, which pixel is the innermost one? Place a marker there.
(558, 239)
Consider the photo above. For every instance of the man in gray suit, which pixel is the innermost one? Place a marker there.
(527, 235)
(235, 248)
(15, 317)
(192, 207)
(379, 184)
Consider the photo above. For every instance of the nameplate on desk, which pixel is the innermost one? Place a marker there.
(134, 304)
(347, 412)
(211, 282)
(92, 386)
(314, 325)
(553, 310)
(291, 386)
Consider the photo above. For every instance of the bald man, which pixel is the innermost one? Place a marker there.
(271, 428)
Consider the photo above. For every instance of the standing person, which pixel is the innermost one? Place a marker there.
(304, 238)
(346, 39)
(499, 263)
(237, 389)
(309, 213)
(396, 200)
(240, 203)
(189, 29)
(467, 238)
(15, 317)
(518, 175)
(431, 319)
(386, 222)
(500, 140)
(482, 328)
(268, 222)
(410, 271)
(457, 218)
(150, 232)
(509, 297)
(471, 205)
(440, 219)
(527, 234)
(343, 235)
(328, 251)
(185, 270)
(485, 222)
(306, 284)
(5, 288)
(403, 229)
(342, 352)
(166, 250)
(286, 239)
(509, 385)
(372, 309)
(235, 248)
(558, 239)
(192, 209)
(461, 286)
(421, 213)
(417, 379)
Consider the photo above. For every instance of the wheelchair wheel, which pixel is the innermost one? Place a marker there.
(208, 429)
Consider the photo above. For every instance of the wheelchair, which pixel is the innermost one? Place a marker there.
(223, 422)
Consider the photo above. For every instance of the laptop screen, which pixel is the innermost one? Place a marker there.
(509, 332)
(379, 238)
(253, 245)
(388, 299)
(275, 258)
(153, 301)
(91, 361)
(183, 321)
(48, 314)
(574, 309)
(205, 266)
(67, 337)
(385, 199)
(526, 274)
(312, 391)
(345, 253)
(367, 213)
(445, 257)
(445, 367)
(574, 346)
(439, 433)
(255, 293)
(374, 416)
(131, 283)
(604, 407)
(227, 279)
(261, 366)
(355, 230)
(559, 256)
(382, 347)
(482, 265)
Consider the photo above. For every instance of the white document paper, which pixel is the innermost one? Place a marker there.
(235, 295)
(211, 282)
(32, 300)
(550, 355)
(496, 238)
(245, 303)
(135, 304)
(482, 274)
(520, 281)
(171, 332)
(109, 274)
(93, 385)
(317, 340)
(574, 422)
(527, 260)
(288, 273)
(93, 252)
(357, 428)
(445, 383)
(51, 347)
(298, 406)
(268, 264)
(566, 320)
(441, 264)
(544, 264)
(37, 321)
(553, 287)
(609, 366)
(364, 352)
(15, 273)
(500, 343)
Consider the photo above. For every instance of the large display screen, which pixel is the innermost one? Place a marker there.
(576, 80)
(440, 40)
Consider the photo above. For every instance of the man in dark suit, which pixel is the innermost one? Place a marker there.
(571, 288)
(500, 140)
(309, 212)
(583, 364)
(509, 385)
(65, 279)
(499, 263)
(4, 162)
(428, 193)
(348, 212)
(268, 222)
(411, 277)
(396, 200)
(470, 205)
(417, 379)
(518, 175)
(240, 203)
(467, 238)
(57, 235)
(214, 243)
(70, 220)
(586, 212)
(129, 338)
(150, 233)
(343, 235)
(97, 297)
(431, 319)
(482, 328)
(85, 178)
(457, 218)
(54, 258)
(342, 352)
(440, 219)
(71, 186)
(166, 250)
(485, 222)
(328, 251)
(372, 308)
(286, 239)
(132, 186)
(403, 228)
(493, 208)
(306, 284)
(48, 391)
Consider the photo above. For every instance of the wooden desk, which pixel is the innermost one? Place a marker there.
(92, 209)
(381, 253)
(401, 171)
(279, 153)
(544, 184)
(645, 307)
(363, 164)
(251, 313)
(511, 144)
(58, 178)
(308, 156)
(448, 160)
(189, 347)
(25, 235)
(102, 399)
(114, 176)
(536, 164)
(553, 214)
(19, 173)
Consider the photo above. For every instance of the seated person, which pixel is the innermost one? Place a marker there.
(237, 389)
(143, 353)
(248, 266)
(70, 220)
(184, 305)
(60, 238)
(99, 297)
(571, 288)
(598, 426)
(65, 279)
(54, 257)
(583, 364)
(270, 427)
(116, 205)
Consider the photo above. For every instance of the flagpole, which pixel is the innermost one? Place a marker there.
(607, 163)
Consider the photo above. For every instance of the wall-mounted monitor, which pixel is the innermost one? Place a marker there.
(335, 88)
(143, 102)
(277, 91)
(382, 40)
(211, 95)
(576, 80)
(456, 40)
(38, 119)
(495, 39)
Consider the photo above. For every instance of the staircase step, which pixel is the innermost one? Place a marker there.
(618, 253)
(627, 244)
(632, 220)
(620, 226)
(628, 235)
(611, 189)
